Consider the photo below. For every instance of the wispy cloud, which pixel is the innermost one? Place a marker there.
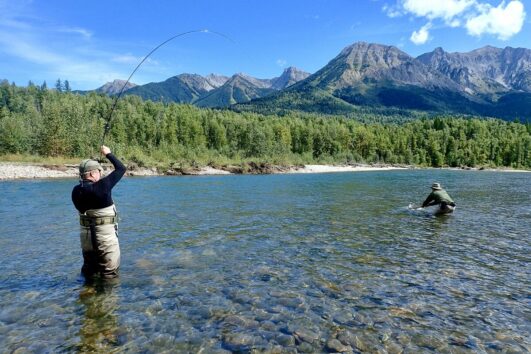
(81, 31)
(32, 39)
(477, 17)
(282, 63)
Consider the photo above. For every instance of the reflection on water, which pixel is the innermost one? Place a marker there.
(99, 325)
(282, 263)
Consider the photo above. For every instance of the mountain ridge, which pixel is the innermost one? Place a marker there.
(486, 81)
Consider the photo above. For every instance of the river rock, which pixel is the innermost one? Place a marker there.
(239, 341)
(275, 349)
(268, 326)
(261, 315)
(428, 341)
(393, 348)
(335, 346)
(346, 337)
(343, 318)
(304, 335)
(306, 347)
(291, 302)
(285, 340)
(241, 321)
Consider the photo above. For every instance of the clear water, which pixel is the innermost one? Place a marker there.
(276, 263)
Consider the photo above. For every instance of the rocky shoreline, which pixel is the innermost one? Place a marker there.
(10, 170)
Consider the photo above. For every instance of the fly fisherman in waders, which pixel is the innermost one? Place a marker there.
(440, 197)
(98, 219)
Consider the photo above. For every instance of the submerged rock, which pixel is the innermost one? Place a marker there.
(240, 341)
(335, 346)
(285, 340)
(240, 321)
(304, 335)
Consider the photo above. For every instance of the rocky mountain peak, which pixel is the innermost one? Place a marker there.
(244, 79)
(113, 88)
(216, 80)
(361, 58)
(290, 76)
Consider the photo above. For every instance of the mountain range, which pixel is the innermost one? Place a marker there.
(487, 81)
(208, 91)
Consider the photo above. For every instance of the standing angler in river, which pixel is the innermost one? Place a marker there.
(92, 198)
(99, 228)
(440, 197)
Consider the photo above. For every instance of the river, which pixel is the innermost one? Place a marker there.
(274, 263)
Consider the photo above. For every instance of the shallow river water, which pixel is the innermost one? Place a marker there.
(274, 263)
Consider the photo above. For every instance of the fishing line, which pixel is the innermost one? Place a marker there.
(116, 98)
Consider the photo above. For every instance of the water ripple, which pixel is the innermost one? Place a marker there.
(281, 263)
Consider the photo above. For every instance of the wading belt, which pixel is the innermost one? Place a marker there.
(91, 222)
(87, 221)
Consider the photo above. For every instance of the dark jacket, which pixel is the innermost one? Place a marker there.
(97, 195)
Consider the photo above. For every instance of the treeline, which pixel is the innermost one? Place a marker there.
(35, 120)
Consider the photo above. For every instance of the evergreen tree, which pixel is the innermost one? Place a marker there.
(59, 85)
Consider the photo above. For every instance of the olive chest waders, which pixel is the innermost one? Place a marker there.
(99, 242)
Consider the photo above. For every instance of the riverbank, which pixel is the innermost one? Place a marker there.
(13, 170)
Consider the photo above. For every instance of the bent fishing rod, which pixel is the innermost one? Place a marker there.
(117, 97)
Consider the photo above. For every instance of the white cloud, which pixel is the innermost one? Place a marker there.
(444, 9)
(477, 16)
(502, 21)
(282, 62)
(422, 35)
(392, 11)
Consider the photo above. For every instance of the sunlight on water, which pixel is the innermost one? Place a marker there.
(279, 263)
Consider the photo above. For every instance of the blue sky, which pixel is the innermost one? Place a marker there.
(92, 42)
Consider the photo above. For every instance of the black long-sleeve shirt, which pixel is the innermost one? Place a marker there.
(96, 195)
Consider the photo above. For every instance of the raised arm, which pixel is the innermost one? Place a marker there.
(119, 168)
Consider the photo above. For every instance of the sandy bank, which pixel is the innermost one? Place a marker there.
(346, 168)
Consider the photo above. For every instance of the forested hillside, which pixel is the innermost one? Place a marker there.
(34, 120)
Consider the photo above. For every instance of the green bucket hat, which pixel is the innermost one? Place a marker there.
(89, 165)
(436, 186)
